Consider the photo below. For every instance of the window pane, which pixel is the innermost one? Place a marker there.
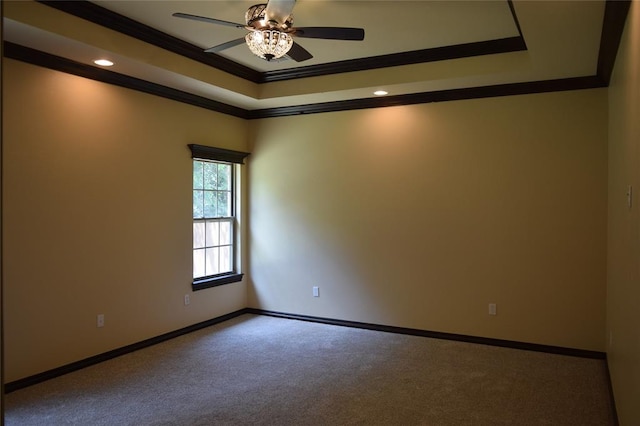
(209, 204)
(210, 175)
(224, 204)
(197, 175)
(198, 235)
(213, 249)
(224, 177)
(211, 260)
(198, 208)
(225, 232)
(213, 233)
(198, 263)
(225, 259)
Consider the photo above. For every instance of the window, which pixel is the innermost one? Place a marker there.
(214, 216)
(212, 219)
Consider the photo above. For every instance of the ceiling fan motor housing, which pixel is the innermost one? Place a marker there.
(256, 18)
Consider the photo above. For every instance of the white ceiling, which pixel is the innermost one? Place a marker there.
(562, 38)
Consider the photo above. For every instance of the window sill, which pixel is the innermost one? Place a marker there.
(202, 283)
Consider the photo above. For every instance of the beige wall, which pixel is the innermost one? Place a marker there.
(419, 216)
(414, 216)
(97, 216)
(623, 290)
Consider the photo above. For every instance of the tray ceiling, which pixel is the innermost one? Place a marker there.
(411, 48)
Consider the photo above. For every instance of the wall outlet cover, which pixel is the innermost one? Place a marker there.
(492, 309)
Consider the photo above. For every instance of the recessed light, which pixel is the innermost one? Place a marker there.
(380, 93)
(103, 62)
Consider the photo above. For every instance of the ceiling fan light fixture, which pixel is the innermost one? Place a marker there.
(269, 44)
(270, 27)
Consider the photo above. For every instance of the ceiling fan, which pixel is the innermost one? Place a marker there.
(271, 30)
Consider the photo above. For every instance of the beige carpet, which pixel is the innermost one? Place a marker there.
(259, 370)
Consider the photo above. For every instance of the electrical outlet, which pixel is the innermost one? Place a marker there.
(492, 309)
(100, 320)
(316, 292)
(187, 299)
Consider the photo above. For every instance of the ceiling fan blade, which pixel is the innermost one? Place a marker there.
(227, 45)
(279, 10)
(209, 20)
(298, 53)
(331, 33)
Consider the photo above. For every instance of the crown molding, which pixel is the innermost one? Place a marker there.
(47, 60)
(615, 16)
(99, 15)
(524, 88)
(466, 50)
(117, 22)
(36, 57)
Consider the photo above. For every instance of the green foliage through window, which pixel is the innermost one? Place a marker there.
(211, 190)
